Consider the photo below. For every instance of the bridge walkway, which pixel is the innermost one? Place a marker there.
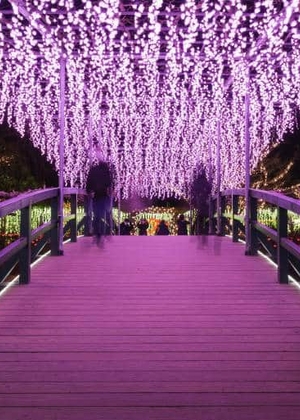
(149, 328)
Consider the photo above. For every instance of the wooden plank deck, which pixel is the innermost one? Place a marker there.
(151, 328)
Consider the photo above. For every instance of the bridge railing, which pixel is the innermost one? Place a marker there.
(231, 213)
(32, 241)
(272, 240)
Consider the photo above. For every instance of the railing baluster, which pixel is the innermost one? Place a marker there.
(211, 229)
(73, 222)
(88, 216)
(219, 213)
(253, 239)
(54, 237)
(282, 253)
(235, 207)
(25, 253)
(221, 224)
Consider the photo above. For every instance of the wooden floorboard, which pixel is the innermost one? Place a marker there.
(151, 328)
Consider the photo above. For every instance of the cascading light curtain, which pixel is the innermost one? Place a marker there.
(149, 81)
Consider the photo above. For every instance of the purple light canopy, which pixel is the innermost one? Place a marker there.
(151, 82)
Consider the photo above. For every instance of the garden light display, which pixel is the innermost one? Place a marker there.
(153, 82)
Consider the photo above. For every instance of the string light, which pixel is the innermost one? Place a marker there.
(149, 82)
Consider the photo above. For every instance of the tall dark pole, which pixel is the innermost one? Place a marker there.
(61, 149)
(210, 178)
(219, 215)
(247, 168)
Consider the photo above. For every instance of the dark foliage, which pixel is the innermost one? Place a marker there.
(22, 166)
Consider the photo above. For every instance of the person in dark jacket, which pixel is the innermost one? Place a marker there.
(99, 187)
(126, 227)
(143, 226)
(162, 228)
(200, 193)
(182, 225)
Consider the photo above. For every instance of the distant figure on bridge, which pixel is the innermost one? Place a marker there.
(126, 227)
(182, 225)
(99, 186)
(200, 193)
(143, 226)
(162, 229)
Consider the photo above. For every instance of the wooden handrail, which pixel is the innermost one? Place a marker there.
(277, 199)
(285, 247)
(20, 249)
(24, 200)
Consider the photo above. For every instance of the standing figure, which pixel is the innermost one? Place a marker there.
(126, 227)
(99, 186)
(162, 228)
(200, 193)
(182, 225)
(143, 226)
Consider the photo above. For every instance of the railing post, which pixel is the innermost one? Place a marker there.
(211, 229)
(250, 230)
(220, 211)
(219, 197)
(73, 223)
(25, 254)
(282, 253)
(88, 215)
(235, 208)
(54, 237)
(253, 231)
(62, 100)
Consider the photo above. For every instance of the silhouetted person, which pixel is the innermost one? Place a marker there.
(162, 229)
(182, 225)
(99, 186)
(143, 226)
(126, 227)
(200, 193)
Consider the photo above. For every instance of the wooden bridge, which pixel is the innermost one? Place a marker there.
(162, 328)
